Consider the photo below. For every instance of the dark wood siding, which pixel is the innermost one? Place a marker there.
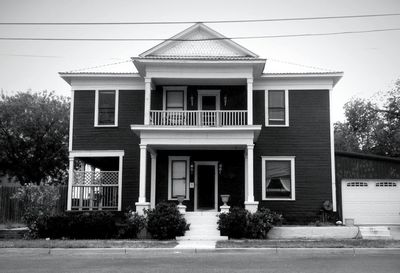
(88, 137)
(360, 166)
(308, 139)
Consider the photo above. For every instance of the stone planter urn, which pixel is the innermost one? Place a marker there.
(225, 208)
(181, 207)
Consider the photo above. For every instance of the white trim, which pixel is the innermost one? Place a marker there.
(286, 108)
(71, 120)
(175, 88)
(170, 159)
(204, 92)
(97, 153)
(96, 108)
(292, 178)
(153, 156)
(207, 163)
(249, 95)
(70, 181)
(332, 143)
(120, 170)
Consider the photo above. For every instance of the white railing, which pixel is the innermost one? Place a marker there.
(199, 118)
(95, 190)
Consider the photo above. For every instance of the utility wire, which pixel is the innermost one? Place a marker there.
(200, 40)
(207, 22)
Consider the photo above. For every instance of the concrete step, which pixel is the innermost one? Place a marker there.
(202, 238)
(203, 227)
(375, 232)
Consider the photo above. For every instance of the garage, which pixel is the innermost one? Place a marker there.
(371, 202)
(368, 188)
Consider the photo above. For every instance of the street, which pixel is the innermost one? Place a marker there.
(120, 260)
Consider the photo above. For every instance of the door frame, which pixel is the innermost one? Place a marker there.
(206, 163)
(215, 93)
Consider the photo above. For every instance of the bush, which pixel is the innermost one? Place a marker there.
(88, 225)
(239, 223)
(165, 222)
(37, 201)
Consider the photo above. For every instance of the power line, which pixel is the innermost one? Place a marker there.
(207, 22)
(199, 40)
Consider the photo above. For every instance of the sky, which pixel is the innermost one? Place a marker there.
(370, 61)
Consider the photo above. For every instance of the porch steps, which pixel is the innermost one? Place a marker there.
(203, 227)
(375, 232)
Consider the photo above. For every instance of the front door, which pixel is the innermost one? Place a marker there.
(206, 182)
(209, 103)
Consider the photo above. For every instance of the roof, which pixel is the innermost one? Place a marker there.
(366, 156)
(198, 41)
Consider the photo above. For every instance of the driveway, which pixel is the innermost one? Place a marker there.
(288, 260)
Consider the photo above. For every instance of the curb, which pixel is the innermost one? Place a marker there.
(133, 251)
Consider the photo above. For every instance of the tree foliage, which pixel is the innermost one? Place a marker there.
(371, 127)
(34, 136)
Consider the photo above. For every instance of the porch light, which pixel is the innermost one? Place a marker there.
(220, 168)
(191, 100)
(225, 100)
(191, 168)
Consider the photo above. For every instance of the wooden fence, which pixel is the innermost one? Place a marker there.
(11, 209)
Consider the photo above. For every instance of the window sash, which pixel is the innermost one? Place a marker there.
(106, 107)
(177, 105)
(276, 107)
(177, 179)
(278, 178)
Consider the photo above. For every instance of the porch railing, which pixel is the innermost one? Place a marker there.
(199, 118)
(95, 190)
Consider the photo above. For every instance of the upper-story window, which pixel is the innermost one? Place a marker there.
(106, 108)
(277, 108)
(175, 98)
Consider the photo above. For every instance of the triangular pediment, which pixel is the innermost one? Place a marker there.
(199, 41)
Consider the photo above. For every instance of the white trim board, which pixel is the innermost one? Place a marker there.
(206, 163)
(97, 153)
(71, 120)
(292, 178)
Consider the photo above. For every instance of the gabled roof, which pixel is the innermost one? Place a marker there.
(199, 41)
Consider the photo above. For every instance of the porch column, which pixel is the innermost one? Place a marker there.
(249, 101)
(141, 205)
(70, 182)
(147, 100)
(153, 179)
(250, 204)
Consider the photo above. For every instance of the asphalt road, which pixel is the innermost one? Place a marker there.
(184, 261)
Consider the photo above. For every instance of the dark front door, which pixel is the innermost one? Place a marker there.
(206, 186)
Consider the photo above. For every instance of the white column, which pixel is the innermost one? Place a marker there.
(142, 204)
(245, 173)
(249, 101)
(250, 204)
(70, 181)
(153, 180)
(120, 169)
(147, 100)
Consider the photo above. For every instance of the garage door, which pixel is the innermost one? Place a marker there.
(371, 202)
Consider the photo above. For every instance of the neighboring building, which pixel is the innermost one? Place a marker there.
(200, 119)
(368, 187)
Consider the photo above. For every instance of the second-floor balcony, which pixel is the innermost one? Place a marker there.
(199, 118)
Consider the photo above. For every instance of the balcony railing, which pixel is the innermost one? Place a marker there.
(95, 190)
(199, 118)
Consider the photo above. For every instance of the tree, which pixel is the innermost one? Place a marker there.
(371, 128)
(34, 137)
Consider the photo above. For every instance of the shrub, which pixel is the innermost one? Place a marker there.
(88, 225)
(165, 222)
(37, 201)
(234, 223)
(239, 223)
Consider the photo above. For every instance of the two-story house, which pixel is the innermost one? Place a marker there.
(200, 118)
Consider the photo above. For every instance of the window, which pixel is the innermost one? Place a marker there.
(278, 177)
(178, 177)
(277, 108)
(357, 184)
(386, 184)
(175, 98)
(106, 108)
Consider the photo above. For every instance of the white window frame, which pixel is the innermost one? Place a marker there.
(181, 158)
(174, 88)
(286, 91)
(215, 93)
(96, 108)
(292, 177)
